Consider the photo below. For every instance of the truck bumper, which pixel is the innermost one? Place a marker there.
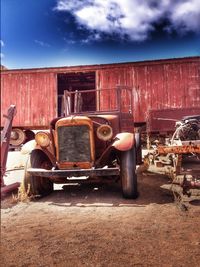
(74, 172)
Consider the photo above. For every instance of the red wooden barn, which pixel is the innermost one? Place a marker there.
(169, 84)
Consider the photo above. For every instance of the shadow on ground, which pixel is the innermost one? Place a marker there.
(108, 193)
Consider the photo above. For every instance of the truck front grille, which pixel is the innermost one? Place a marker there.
(74, 143)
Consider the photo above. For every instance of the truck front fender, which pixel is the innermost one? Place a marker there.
(32, 146)
(28, 147)
(123, 141)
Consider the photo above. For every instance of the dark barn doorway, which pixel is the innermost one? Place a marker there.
(79, 81)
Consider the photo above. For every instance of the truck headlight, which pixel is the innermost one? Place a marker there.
(104, 132)
(42, 139)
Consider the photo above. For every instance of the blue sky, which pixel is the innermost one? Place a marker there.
(46, 33)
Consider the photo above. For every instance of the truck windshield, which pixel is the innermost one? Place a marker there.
(98, 101)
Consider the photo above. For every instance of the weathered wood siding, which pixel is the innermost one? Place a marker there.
(167, 85)
(34, 95)
(161, 84)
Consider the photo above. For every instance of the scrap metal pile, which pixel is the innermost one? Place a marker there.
(183, 153)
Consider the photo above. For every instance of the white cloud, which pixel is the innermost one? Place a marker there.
(2, 43)
(1, 55)
(41, 43)
(133, 19)
(185, 16)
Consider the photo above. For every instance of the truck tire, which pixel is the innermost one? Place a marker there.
(128, 173)
(34, 185)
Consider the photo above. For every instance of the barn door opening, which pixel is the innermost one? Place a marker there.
(79, 81)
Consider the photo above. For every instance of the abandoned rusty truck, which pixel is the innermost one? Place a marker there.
(86, 143)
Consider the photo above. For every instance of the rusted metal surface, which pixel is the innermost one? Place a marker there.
(178, 164)
(160, 84)
(66, 142)
(74, 172)
(184, 149)
(78, 144)
(165, 119)
(5, 141)
(9, 188)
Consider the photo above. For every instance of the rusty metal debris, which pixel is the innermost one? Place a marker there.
(5, 141)
(182, 154)
(182, 149)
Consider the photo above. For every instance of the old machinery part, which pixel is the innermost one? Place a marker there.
(188, 184)
(191, 184)
(187, 129)
(5, 141)
(18, 137)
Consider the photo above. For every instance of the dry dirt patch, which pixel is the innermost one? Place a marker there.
(92, 225)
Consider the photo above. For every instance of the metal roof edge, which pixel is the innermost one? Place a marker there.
(94, 67)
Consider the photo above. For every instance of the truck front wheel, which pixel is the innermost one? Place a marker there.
(35, 185)
(128, 173)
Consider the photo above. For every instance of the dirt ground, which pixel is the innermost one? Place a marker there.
(92, 225)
